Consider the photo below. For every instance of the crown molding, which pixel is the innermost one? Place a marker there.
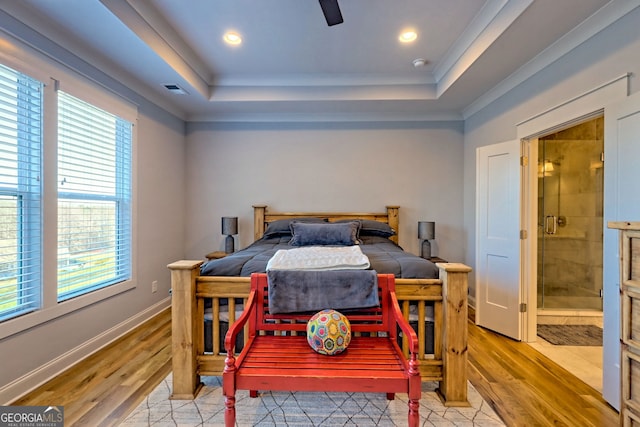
(323, 93)
(19, 22)
(493, 20)
(156, 32)
(145, 21)
(333, 117)
(597, 22)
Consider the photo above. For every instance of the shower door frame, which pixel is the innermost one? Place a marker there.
(529, 215)
(543, 235)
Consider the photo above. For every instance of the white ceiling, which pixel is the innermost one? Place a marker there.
(292, 66)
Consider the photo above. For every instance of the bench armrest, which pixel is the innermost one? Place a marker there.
(236, 327)
(407, 330)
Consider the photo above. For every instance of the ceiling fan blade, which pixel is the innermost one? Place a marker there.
(331, 11)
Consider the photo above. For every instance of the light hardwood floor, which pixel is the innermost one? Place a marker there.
(524, 387)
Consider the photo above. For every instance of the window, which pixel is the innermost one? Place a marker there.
(66, 167)
(21, 115)
(94, 198)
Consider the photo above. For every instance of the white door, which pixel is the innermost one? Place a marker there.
(621, 203)
(498, 293)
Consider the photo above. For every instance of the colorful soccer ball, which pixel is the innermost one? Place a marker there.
(329, 332)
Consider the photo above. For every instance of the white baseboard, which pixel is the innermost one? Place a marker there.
(28, 382)
(471, 301)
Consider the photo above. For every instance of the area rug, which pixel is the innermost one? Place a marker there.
(305, 409)
(578, 335)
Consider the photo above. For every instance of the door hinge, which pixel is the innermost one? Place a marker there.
(524, 161)
(602, 156)
(523, 307)
(523, 234)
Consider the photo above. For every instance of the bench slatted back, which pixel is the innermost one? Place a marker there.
(377, 319)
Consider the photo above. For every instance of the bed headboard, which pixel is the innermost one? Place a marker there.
(262, 218)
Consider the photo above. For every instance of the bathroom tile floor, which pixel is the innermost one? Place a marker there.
(585, 362)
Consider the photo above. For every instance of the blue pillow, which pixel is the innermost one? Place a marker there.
(282, 227)
(369, 227)
(333, 234)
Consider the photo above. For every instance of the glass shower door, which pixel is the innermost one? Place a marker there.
(570, 215)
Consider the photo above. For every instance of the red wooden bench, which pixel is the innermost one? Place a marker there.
(278, 357)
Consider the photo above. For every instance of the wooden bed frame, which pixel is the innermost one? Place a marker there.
(448, 294)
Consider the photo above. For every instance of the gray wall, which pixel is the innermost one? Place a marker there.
(325, 167)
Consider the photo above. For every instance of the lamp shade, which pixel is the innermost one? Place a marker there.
(426, 230)
(229, 225)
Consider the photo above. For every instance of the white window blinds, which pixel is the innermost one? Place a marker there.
(94, 197)
(20, 193)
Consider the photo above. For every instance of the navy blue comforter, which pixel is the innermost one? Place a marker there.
(384, 255)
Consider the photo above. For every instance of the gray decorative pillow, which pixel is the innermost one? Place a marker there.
(369, 227)
(282, 226)
(333, 234)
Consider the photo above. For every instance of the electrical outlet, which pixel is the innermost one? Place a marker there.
(154, 286)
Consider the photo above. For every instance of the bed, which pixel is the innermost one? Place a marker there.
(376, 239)
(208, 296)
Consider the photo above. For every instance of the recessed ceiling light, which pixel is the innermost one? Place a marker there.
(408, 36)
(232, 38)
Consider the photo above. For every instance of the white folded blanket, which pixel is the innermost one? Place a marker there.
(319, 258)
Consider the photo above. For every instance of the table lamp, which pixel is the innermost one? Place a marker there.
(229, 228)
(426, 232)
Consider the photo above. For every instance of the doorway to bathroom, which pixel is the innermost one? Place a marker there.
(570, 222)
(570, 242)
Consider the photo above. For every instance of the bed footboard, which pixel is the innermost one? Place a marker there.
(437, 308)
